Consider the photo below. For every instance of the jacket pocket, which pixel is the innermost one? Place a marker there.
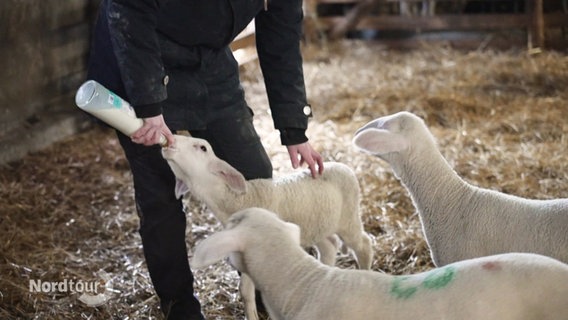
(178, 56)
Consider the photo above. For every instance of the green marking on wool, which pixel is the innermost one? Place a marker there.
(399, 292)
(439, 278)
(402, 288)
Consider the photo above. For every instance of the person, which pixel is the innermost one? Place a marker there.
(172, 62)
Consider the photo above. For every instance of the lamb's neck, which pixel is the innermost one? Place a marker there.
(223, 201)
(217, 200)
(431, 181)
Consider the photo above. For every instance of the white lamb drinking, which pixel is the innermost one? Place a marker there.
(459, 220)
(294, 285)
(324, 208)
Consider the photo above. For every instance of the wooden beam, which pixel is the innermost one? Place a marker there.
(244, 39)
(356, 1)
(338, 1)
(556, 19)
(243, 42)
(536, 29)
(244, 45)
(352, 18)
(439, 22)
(534, 21)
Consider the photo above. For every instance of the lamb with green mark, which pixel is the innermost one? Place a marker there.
(294, 285)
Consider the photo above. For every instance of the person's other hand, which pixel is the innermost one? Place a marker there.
(152, 131)
(304, 153)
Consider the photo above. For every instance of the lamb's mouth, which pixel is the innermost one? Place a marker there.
(167, 152)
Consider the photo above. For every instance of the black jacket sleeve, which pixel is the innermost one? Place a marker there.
(278, 35)
(132, 26)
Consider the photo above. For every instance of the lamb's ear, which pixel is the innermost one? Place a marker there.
(232, 177)
(379, 141)
(216, 247)
(181, 188)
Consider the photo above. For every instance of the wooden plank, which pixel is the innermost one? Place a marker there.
(243, 42)
(69, 33)
(378, 1)
(556, 19)
(245, 55)
(439, 22)
(539, 23)
(535, 21)
(68, 44)
(244, 45)
(247, 32)
(415, 1)
(536, 28)
(244, 39)
(337, 1)
(352, 18)
(49, 129)
(461, 42)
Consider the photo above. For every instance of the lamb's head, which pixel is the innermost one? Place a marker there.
(254, 229)
(392, 137)
(194, 163)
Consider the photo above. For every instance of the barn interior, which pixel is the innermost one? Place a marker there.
(488, 77)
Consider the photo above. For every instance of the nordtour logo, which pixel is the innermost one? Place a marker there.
(92, 293)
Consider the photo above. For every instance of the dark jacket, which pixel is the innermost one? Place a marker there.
(162, 55)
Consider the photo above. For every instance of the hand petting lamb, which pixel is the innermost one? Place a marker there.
(294, 285)
(461, 221)
(324, 208)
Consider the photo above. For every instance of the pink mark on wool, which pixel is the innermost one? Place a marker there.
(491, 266)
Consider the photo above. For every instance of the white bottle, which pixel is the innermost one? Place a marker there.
(104, 104)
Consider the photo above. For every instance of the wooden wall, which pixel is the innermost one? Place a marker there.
(336, 18)
(43, 55)
(44, 49)
(43, 61)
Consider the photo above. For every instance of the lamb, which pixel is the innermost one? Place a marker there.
(325, 207)
(296, 286)
(459, 220)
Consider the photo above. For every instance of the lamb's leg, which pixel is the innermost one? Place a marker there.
(339, 245)
(246, 288)
(361, 245)
(327, 249)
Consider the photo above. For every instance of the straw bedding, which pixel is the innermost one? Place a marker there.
(67, 212)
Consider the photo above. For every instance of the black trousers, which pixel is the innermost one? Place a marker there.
(162, 219)
(204, 93)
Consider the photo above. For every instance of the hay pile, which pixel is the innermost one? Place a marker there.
(500, 119)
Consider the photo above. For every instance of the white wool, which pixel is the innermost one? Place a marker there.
(294, 285)
(324, 207)
(459, 220)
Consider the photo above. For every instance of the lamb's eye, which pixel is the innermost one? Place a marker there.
(203, 148)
